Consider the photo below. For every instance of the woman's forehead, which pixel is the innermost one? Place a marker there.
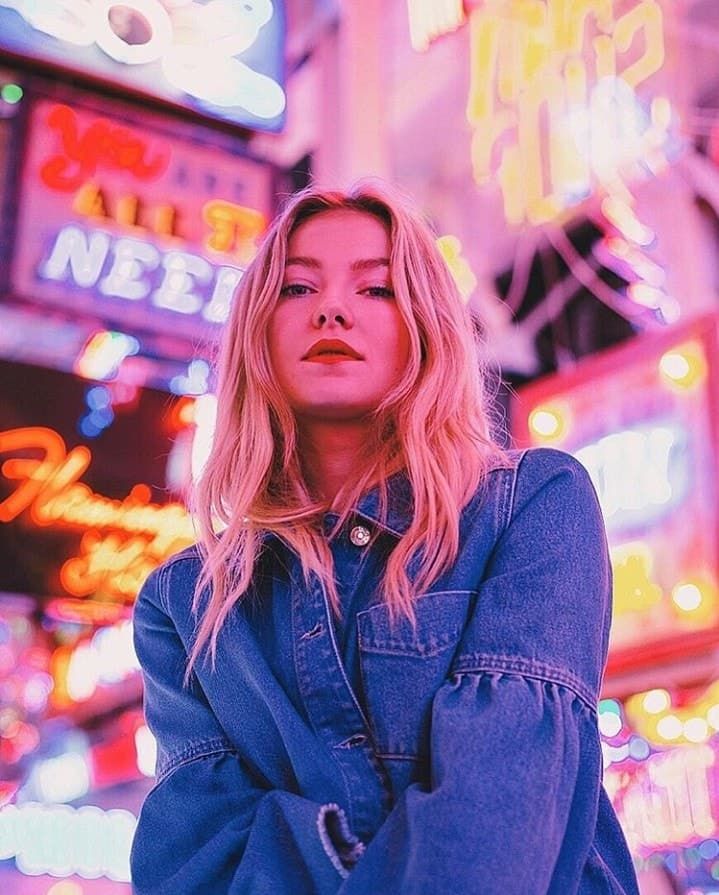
(340, 230)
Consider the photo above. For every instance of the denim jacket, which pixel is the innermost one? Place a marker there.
(360, 758)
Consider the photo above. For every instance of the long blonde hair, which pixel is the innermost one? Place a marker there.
(433, 425)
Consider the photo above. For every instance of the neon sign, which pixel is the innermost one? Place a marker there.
(641, 418)
(187, 284)
(639, 473)
(101, 145)
(462, 274)
(221, 57)
(62, 840)
(552, 102)
(105, 659)
(124, 539)
(128, 210)
(233, 228)
(669, 800)
(119, 221)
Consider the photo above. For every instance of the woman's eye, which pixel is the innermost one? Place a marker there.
(380, 291)
(295, 289)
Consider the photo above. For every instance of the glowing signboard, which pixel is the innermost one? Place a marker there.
(552, 99)
(641, 472)
(120, 221)
(124, 539)
(642, 418)
(62, 840)
(221, 58)
(83, 526)
(668, 800)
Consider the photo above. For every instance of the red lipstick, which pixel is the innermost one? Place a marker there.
(331, 351)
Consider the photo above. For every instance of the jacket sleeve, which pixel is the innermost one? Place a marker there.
(515, 757)
(209, 825)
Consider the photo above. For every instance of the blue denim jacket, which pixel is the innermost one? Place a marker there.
(356, 758)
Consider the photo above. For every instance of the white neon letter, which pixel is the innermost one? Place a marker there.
(175, 292)
(217, 309)
(64, 19)
(83, 253)
(132, 259)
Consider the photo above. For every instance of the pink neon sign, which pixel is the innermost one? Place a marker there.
(122, 220)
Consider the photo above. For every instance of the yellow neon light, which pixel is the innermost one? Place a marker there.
(645, 18)
(112, 564)
(533, 67)
(684, 367)
(661, 112)
(234, 228)
(451, 249)
(548, 424)
(635, 589)
(654, 716)
(696, 599)
(128, 210)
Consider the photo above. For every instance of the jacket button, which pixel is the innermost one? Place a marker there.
(359, 536)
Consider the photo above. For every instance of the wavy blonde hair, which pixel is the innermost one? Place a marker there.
(433, 425)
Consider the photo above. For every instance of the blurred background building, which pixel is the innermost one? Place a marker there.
(567, 155)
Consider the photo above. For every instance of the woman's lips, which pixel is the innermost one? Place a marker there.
(329, 358)
(336, 349)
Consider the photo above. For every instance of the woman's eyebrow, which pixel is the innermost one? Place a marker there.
(359, 265)
(369, 263)
(304, 261)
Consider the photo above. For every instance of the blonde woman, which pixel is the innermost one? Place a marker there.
(377, 673)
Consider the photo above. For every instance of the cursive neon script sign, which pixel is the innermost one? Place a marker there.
(102, 145)
(124, 539)
(552, 103)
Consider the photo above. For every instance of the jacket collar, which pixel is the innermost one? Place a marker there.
(398, 514)
(399, 505)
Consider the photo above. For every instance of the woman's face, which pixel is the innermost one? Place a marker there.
(337, 340)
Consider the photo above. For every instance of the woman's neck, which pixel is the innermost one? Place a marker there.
(334, 454)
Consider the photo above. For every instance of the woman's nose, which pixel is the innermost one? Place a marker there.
(331, 312)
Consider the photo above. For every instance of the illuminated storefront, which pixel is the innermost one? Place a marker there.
(131, 205)
(644, 420)
(83, 519)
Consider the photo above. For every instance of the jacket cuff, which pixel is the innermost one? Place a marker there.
(341, 846)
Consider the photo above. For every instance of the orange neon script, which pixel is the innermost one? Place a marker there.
(50, 489)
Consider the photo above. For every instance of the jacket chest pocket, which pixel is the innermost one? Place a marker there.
(403, 666)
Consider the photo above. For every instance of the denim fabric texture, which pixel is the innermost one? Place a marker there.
(355, 757)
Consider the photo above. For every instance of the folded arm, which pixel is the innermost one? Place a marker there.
(209, 824)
